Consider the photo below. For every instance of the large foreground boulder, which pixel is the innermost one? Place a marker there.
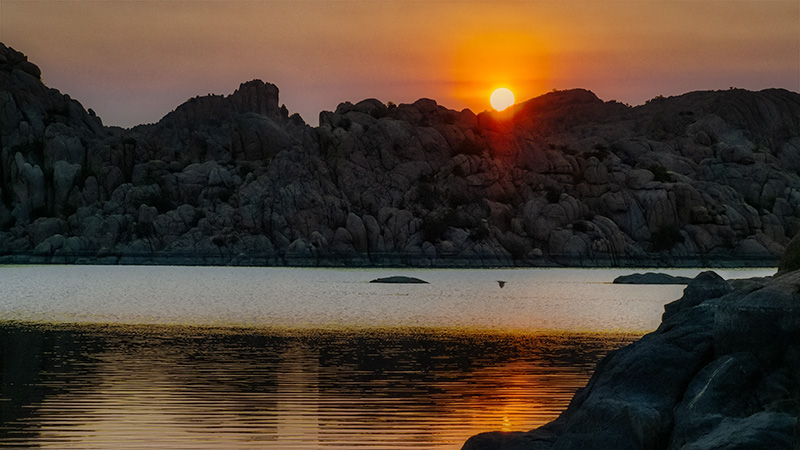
(721, 372)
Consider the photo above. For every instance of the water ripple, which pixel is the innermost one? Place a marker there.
(83, 387)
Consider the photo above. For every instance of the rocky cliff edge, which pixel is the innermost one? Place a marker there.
(721, 372)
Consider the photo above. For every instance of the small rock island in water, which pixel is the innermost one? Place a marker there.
(651, 278)
(399, 280)
(722, 371)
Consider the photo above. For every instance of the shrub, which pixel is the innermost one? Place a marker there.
(39, 211)
(379, 113)
(661, 174)
(144, 229)
(427, 195)
(480, 232)
(666, 238)
(456, 198)
(218, 240)
(225, 195)
(160, 201)
(600, 152)
(436, 222)
(553, 195)
(10, 222)
(244, 168)
(34, 151)
(469, 147)
(516, 245)
(68, 210)
(582, 226)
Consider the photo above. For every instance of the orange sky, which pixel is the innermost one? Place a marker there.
(134, 61)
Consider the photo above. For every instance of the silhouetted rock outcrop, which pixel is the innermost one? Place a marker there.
(721, 372)
(399, 280)
(704, 178)
(651, 278)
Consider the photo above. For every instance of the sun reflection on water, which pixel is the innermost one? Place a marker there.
(173, 387)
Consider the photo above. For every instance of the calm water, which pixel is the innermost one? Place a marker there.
(194, 358)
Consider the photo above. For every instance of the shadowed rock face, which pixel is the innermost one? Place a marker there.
(565, 178)
(790, 261)
(721, 372)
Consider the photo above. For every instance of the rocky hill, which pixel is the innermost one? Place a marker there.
(709, 178)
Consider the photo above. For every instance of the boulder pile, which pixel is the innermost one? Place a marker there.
(706, 178)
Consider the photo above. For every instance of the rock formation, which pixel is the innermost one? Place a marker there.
(651, 278)
(399, 280)
(721, 372)
(707, 178)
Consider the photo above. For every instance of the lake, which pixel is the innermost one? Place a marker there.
(99, 357)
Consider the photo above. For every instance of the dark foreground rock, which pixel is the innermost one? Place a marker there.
(399, 280)
(721, 372)
(651, 278)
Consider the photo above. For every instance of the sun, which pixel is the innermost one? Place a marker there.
(501, 98)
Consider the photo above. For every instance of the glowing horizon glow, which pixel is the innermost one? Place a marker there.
(501, 98)
(484, 60)
(155, 55)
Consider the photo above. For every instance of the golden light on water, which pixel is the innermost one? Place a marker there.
(174, 387)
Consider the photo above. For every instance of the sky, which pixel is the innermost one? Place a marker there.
(133, 62)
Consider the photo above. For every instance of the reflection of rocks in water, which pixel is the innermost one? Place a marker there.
(721, 372)
(31, 358)
(214, 388)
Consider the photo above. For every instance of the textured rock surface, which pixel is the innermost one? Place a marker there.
(721, 372)
(705, 178)
(651, 278)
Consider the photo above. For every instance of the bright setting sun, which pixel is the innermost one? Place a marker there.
(501, 98)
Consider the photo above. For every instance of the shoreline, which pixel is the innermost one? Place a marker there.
(720, 371)
(389, 260)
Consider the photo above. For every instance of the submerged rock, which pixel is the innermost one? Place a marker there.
(399, 280)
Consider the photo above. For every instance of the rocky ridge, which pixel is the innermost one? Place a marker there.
(707, 178)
